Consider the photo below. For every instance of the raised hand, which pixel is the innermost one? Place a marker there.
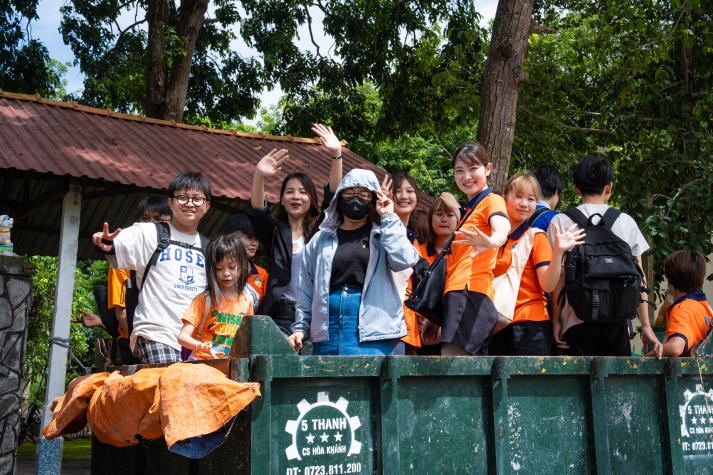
(88, 319)
(386, 185)
(328, 139)
(475, 238)
(384, 204)
(100, 239)
(271, 163)
(564, 241)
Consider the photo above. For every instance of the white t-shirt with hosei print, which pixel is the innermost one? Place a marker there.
(173, 281)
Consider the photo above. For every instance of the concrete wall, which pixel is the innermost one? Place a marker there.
(15, 301)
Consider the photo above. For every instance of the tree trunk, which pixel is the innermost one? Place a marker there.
(190, 20)
(504, 74)
(166, 94)
(156, 59)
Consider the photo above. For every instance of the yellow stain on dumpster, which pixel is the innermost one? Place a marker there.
(544, 370)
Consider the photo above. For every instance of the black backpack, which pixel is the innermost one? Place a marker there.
(603, 280)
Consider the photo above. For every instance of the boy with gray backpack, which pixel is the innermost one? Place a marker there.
(602, 287)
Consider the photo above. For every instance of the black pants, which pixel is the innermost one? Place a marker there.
(523, 339)
(598, 339)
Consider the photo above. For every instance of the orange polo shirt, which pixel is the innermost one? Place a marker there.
(258, 279)
(475, 273)
(689, 318)
(115, 293)
(531, 304)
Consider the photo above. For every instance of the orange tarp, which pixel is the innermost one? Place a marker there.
(70, 410)
(181, 401)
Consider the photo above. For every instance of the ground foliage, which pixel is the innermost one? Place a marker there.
(39, 325)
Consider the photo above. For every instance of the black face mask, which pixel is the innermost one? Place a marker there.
(355, 208)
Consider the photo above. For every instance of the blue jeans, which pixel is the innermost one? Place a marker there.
(344, 328)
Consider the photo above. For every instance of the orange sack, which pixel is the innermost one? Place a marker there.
(197, 399)
(70, 410)
(124, 411)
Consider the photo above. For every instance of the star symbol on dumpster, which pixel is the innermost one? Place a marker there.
(324, 437)
(710, 420)
(338, 437)
(694, 420)
(310, 439)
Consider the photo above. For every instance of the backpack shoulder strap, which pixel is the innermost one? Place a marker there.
(578, 217)
(610, 217)
(537, 214)
(163, 233)
(204, 242)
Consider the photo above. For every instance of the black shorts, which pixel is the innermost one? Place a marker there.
(468, 320)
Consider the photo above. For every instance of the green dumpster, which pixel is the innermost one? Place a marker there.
(449, 415)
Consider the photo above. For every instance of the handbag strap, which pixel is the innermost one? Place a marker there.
(475, 201)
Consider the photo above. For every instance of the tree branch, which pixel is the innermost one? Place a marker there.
(311, 33)
(529, 111)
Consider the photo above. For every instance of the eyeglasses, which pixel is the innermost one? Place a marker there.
(184, 199)
(364, 195)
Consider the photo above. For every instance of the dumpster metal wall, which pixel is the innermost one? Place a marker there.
(482, 415)
(446, 415)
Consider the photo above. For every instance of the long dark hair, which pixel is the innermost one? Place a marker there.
(227, 246)
(310, 222)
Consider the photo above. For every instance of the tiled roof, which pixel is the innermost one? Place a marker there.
(116, 159)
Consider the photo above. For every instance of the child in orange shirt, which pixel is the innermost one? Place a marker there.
(443, 220)
(689, 316)
(530, 332)
(209, 332)
(241, 226)
(469, 315)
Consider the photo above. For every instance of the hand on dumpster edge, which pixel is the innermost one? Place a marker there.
(296, 340)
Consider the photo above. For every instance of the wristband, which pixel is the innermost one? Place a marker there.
(337, 157)
(109, 243)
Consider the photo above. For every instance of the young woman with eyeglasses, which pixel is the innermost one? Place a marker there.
(348, 302)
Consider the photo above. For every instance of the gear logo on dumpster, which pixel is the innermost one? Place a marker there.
(697, 422)
(323, 429)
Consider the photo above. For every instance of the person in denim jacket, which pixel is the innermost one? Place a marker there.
(348, 303)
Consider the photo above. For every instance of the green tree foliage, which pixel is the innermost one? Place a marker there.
(25, 65)
(424, 59)
(160, 60)
(39, 324)
(631, 80)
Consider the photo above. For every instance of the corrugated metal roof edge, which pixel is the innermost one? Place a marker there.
(149, 120)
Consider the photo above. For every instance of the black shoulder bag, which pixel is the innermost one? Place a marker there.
(429, 282)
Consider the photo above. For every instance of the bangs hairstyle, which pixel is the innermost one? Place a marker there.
(226, 247)
(310, 223)
(398, 180)
(151, 204)
(471, 153)
(416, 220)
(438, 205)
(685, 270)
(186, 181)
(522, 182)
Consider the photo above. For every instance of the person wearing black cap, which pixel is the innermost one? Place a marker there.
(241, 226)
